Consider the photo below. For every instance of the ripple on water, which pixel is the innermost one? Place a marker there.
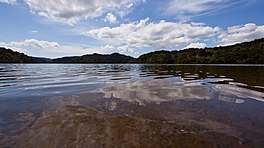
(148, 102)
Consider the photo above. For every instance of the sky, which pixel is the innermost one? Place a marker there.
(48, 28)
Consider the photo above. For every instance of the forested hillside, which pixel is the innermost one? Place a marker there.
(244, 53)
(96, 58)
(9, 56)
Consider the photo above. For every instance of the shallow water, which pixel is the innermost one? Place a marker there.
(131, 105)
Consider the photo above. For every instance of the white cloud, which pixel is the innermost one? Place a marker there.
(8, 1)
(33, 43)
(72, 11)
(241, 33)
(53, 49)
(3, 44)
(168, 35)
(33, 31)
(188, 8)
(110, 18)
(125, 48)
(196, 45)
(161, 35)
(142, 35)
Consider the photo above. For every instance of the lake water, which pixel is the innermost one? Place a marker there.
(97, 105)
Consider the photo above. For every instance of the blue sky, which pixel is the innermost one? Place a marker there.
(47, 28)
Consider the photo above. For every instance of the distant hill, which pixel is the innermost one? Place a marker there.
(9, 56)
(42, 60)
(96, 58)
(244, 53)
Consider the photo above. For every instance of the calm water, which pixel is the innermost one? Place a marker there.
(131, 105)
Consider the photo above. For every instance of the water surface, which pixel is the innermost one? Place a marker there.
(131, 105)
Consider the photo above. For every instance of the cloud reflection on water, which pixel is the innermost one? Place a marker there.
(162, 90)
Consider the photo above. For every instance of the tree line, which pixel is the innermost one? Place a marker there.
(243, 53)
